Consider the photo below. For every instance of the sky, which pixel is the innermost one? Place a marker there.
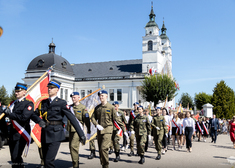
(201, 34)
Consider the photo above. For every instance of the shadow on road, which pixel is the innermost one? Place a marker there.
(220, 146)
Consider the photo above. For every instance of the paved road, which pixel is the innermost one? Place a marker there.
(204, 154)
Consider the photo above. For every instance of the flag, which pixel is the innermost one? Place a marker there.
(38, 92)
(152, 71)
(91, 102)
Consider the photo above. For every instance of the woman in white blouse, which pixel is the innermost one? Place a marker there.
(175, 122)
(188, 130)
(168, 123)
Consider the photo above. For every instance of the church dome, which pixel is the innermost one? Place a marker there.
(44, 61)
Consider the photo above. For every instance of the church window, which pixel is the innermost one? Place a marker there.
(150, 45)
(61, 93)
(64, 64)
(111, 68)
(111, 94)
(119, 94)
(82, 93)
(66, 94)
(40, 63)
(90, 69)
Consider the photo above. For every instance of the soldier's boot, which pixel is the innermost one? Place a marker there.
(131, 153)
(142, 160)
(117, 157)
(92, 155)
(136, 154)
(158, 157)
(110, 151)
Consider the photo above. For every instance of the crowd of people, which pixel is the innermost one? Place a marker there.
(161, 127)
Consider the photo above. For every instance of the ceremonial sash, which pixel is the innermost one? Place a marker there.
(199, 127)
(177, 130)
(133, 114)
(118, 127)
(71, 109)
(21, 131)
(204, 126)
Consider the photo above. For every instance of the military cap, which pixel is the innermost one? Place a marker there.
(136, 103)
(158, 107)
(102, 92)
(74, 93)
(116, 102)
(54, 83)
(141, 107)
(21, 86)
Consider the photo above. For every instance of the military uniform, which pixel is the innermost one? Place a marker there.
(116, 137)
(158, 121)
(21, 113)
(105, 114)
(141, 126)
(51, 136)
(132, 136)
(82, 115)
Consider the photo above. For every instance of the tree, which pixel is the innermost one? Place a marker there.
(202, 98)
(3, 95)
(223, 100)
(157, 88)
(185, 100)
(12, 96)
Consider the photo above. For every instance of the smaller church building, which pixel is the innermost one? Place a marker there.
(122, 79)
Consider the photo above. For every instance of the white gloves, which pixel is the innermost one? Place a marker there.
(99, 127)
(149, 136)
(157, 128)
(88, 136)
(132, 132)
(166, 135)
(126, 134)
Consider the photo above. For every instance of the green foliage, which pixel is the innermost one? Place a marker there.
(157, 88)
(12, 96)
(202, 98)
(185, 100)
(3, 95)
(223, 100)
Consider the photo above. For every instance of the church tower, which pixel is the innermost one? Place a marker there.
(155, 48)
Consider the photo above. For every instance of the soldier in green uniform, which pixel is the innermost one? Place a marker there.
(142, 128)
(82, 115)
(115, 136)
(133, 114)
(159, 127)
(92, 148)
(105, 114)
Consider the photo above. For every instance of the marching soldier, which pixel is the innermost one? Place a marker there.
(106, 115)
(82, 115)
(133, 114)
(92, 148)
(141, 126)
(115, 136)
(53, 110)
(20, 111)
(159, 127)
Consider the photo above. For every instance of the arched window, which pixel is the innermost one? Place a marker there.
(150, 45)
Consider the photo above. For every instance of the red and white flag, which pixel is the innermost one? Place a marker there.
(36, 94)
(152, 71)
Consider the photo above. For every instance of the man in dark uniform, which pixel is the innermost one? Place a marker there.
(20, 112)
(133, 114)
(115, 136)
(103, 117)
(82, 115)
(53, 110)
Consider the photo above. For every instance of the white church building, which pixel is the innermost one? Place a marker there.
(122, 79)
